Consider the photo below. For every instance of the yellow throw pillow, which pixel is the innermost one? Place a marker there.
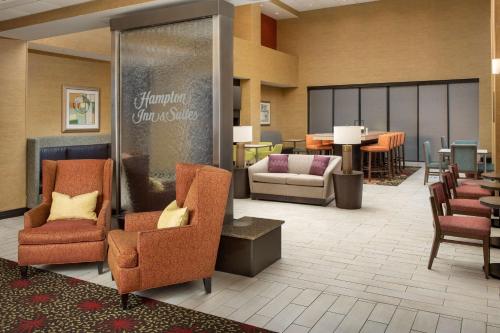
(172, 216)
(78, 207)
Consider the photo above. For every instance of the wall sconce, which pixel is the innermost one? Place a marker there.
(495, 66)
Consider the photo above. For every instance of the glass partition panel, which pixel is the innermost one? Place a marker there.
(166, 113)
(433, 117)
(464, 111)
(320, 111)
(346, 106)
(374, 108)
(404, 117)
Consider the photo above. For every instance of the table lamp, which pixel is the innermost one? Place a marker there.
(347, 136)
(241, 135)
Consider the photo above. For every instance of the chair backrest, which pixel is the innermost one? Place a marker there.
(277, 148)
(453, 167)
(75, 177)
(311, 141)
(427, 152)
(444, 142)
(465, 156)
(465, 142)
(438, 199)
(449, 182)
(385, 140)
(271, 136)
(266, 148)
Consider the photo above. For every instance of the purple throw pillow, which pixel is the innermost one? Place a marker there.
(278, 163)
(319, 165)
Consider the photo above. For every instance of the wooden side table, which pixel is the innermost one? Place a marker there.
(348, 189)
(241, 185)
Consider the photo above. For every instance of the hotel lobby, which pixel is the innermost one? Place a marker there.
(250, 166)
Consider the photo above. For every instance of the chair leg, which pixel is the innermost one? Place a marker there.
(369, 167)
(23, 270)
(112, 277)
(100, 265)
(404, 163)
(426, 175)
(362, 163)
(434, 250)
(486, 255)
(124, 301)
(207, 283)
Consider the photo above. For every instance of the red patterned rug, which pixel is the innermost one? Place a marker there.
(51, 302)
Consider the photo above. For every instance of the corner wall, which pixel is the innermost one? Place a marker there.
(13, 69)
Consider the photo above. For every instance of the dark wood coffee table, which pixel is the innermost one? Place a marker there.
(494, 203)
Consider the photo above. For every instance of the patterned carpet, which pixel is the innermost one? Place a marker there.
(50, 302)
(396, 181)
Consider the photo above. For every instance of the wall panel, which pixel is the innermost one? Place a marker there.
(433, 117)
(346, 106)
(374, 108)
(320, 111)
(403, 106)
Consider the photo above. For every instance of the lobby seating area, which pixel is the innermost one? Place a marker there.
(242, 166)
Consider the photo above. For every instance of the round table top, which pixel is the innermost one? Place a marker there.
(258, 145)
(294, 140)
(489, 185)
(354, 173)
(491, 175)
(492, 202)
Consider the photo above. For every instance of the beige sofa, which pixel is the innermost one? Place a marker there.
(295, 186)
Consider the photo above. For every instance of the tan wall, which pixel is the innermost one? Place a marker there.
(13, 55)
(47, 73)
(97, 41)
(389, 41)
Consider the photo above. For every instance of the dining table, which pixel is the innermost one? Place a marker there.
(294, 142)
(494, 203)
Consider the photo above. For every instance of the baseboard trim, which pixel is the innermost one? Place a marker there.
(13, 213)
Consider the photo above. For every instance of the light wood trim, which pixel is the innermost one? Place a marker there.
(67, 12)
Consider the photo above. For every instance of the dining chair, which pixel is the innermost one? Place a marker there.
(469, 227)
(467, 190)
(430, 164)
(381, 153)
(465, 156)
(460, 206)
(465, 142)
(444, 143)
(276, 149)
(315, 146)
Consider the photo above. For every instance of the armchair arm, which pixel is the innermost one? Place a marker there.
(141, 221)
(171, 255)
(259, 167)
(36, 216)
(104, 217)
(335, 165)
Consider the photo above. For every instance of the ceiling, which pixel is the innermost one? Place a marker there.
(10, 9)
(305, 5)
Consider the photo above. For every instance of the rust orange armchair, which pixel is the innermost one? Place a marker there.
(144, 257)
(71, 240)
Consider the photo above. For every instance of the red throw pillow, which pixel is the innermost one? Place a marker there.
(278, 163)
(319, 165)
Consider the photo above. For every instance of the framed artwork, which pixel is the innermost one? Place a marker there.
(81, 109)
(265, 113)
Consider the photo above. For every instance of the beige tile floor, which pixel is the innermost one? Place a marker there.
(342, 271)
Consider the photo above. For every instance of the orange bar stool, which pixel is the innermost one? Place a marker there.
(329, 144)
(382, 151)
(316, 146)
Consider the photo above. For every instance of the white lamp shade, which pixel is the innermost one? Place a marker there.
(495, 66)
(347, 135)
(242, 134)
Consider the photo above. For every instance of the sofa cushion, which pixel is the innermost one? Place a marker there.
(273, 178)
(63, 232)
(299, 164)
(305, 180)
(123, 244)
(319, 165)
(278, 163)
